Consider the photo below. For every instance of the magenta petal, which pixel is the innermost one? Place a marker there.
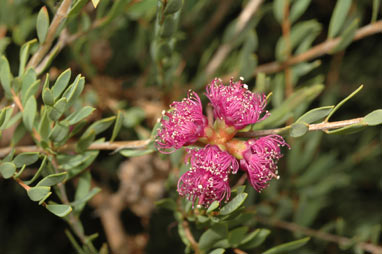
(235, 104)
(182, 125)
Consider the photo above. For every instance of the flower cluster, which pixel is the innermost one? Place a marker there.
(234, 108)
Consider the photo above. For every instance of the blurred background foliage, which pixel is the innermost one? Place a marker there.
(137, 57)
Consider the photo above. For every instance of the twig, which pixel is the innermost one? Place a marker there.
(245, 16)
(312, 127)
(190, 237)
(318, 50)
(340, 240)
(140, 144)
(44, 48)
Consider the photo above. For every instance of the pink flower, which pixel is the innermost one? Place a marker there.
(207, 180)
(235, 104)
(182, 125)
(260, 160)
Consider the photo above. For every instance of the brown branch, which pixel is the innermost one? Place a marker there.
(340, 240)
(312, 127)
(245, 16)
(318, 50)
(190, 237)
(44, 48)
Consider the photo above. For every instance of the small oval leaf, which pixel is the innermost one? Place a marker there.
(234, 204)
(38, 193)
(29, 113)
(298, 129)
(374, 118)
(25, 158)
(53, 179)
(59, 210)
(7, 169)
(42, 24)
(315, 114)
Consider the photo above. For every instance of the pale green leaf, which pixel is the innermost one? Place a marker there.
(7, 169)
(374, 118)
(42, 24)
(234, 204)
(27, 158)
(37, 193)
(338, 17)
(61, 83)
(30, 112)
(59, 210)
(53, 179)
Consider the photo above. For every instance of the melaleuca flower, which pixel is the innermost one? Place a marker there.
(235, 104)
(182, 125)
(207, 179)
(260, 160)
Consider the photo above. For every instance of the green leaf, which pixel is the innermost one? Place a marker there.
(37, 193)
(44, 126)
(134, 153)
(315, 115)
(168, 27)
(217, 251)
(82, 201)
(298, 8)
(213, 206)
(77, 7)
(347, 36)
(61, 83)
(59, 210)
(286, 247)
(58, 109)
(254, 239)
(86, 140)
(298, 129)
(31, 91)
(24, 53)
(278, 9)
(172, 6)
(59, 133)
(101, 125)
(37, 174)
(42, 24)
(236, 236)
(29, 113)
(338, 17)
(212, 235)
(3, 113)
(278, 115)
(25, 158)
(234, 204)
(77, 116)
(374, 14)
(5, 76)
(82, 190)
(47, 97)
(117, 126)
(7, 169)
(374, 118)
(53, 179)
(350, 129)
(339, 105)
(166, 203)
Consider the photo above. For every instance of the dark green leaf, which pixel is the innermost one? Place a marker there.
(26, 158)
(53, 179)
(134, 153)
(29, 113)
(338, 17)
(77, 116)
(217, 251)
(5, 76)
(172, 6)
(61, 83)
(236, 236)
(42, 24)
(3, 113)
(298, 129)
(286, 247)
(117, 126)
(168, 27)
(315, 115)
(213, 206)
(37, 174)
(374, 14)
(212, 235)
(58, 109)
(47, 97)
(7, 169)
(298, 8)
(347, 36)
(234, 204)
(44, 126)
(86, 140)
(374, 118)
(59, 133)
(37, 193)
(254, 239)
(59, 210)
(166, 203)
